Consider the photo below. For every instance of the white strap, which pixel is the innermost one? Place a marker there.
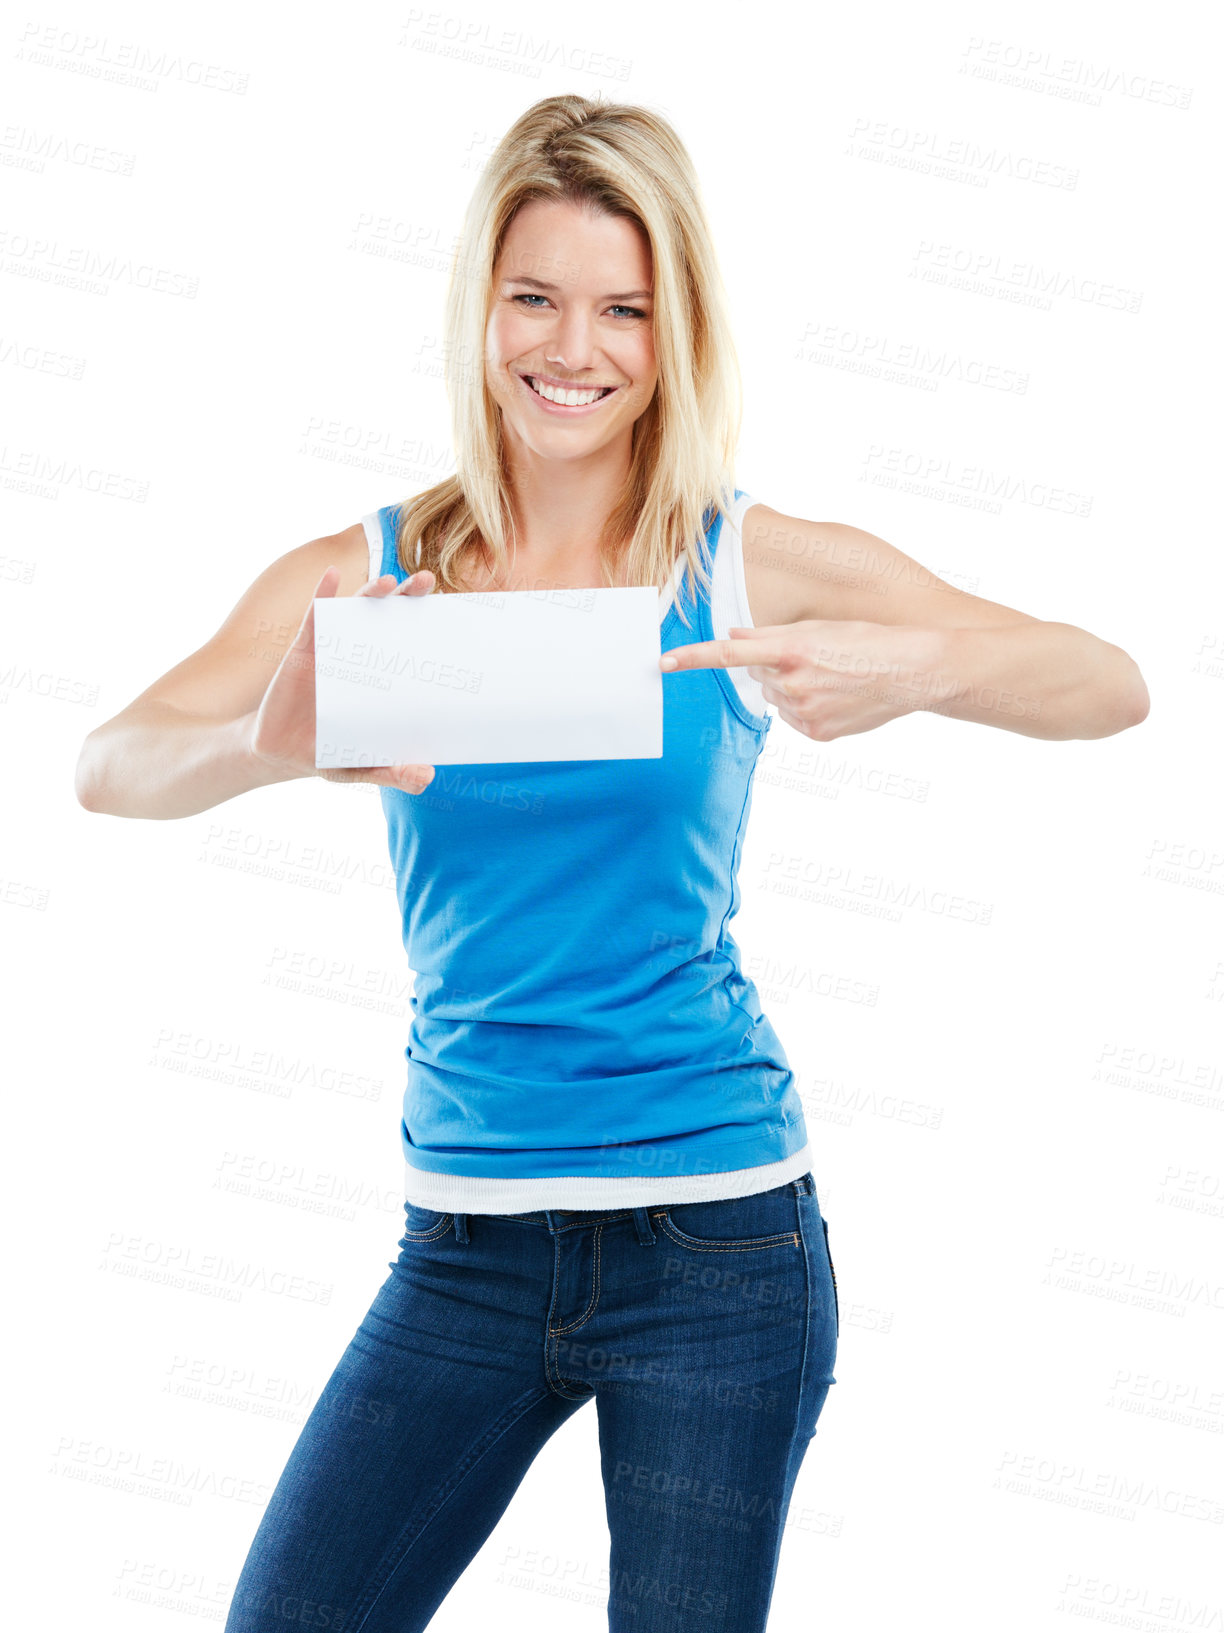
(373, 532)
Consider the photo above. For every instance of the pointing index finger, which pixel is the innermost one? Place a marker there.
(724, 654)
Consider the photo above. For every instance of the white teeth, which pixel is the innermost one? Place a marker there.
(567, 399)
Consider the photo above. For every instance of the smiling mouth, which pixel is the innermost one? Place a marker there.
(529, 380)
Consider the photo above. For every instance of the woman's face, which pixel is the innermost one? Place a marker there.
(571, 309)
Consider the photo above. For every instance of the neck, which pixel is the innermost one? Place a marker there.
(561, 507)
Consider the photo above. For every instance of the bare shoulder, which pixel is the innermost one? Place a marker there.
(798, 569)
(787, 565)
(229, 673)
(351, 554)
(293, 575)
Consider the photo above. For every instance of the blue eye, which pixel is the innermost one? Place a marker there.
(633, 311)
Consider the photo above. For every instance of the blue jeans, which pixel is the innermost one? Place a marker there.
(705, 1333)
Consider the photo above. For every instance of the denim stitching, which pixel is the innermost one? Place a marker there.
(807, 1334)
(552, 1372)
(439, 1229)
(829, 1255)
(748, 1244)
(594, 1300)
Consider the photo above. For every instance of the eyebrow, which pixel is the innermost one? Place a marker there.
(538, 283)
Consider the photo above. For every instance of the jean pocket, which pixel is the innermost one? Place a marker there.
(833, 1273)
(423, 1224)
(733, 1224)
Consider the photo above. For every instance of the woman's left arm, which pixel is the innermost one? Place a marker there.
(862, 634)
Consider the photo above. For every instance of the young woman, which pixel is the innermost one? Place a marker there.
(609, 1192)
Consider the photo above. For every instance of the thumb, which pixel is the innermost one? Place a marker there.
(325, 589)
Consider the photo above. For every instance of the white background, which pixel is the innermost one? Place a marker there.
(225, 244)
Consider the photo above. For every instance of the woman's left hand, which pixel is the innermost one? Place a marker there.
(830, 677)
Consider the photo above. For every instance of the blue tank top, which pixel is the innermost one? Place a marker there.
(579, 1006)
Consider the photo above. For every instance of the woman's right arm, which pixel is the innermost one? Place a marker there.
(238, 713)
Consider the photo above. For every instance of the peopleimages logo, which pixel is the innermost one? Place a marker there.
(180, 1265)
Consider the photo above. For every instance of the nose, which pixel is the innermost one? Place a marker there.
(570, 348)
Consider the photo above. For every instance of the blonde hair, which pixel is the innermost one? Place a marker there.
(622, 160)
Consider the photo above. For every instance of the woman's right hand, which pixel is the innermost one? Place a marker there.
(283, 728)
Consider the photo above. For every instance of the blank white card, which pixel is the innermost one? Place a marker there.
(510, 675)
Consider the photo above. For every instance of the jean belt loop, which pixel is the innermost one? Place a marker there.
(642, 1221)
(461, 1230)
